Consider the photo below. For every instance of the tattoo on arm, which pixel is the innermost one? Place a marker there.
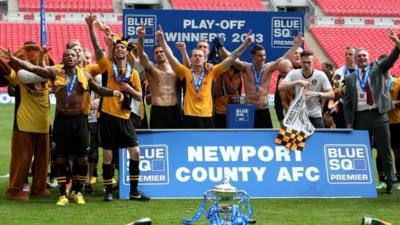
(102, 91)
(95, 42)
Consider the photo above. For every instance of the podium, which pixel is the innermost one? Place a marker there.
(240, 116)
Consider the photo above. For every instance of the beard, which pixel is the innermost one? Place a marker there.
(120, 56)
(69, 66)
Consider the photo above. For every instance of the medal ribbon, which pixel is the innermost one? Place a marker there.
(126, 77)
(257, 76)
(197, 82)
(70, 86)
(198, 214)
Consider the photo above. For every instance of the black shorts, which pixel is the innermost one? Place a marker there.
(162, 117)
(191, 122)
(71, 135)
(317, 122)
(394, 139)
(136, 120)
(262, 118)
(116, 132)
(93, 153)
(220, 120)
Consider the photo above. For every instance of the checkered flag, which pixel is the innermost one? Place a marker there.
(296, 125)
(291, 139)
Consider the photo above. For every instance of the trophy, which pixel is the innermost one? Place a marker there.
(224, 204)
(237, 99)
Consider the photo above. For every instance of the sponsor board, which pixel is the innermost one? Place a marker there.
(153, 165)
(185, 164)
(283, 30)
(347, 164)
(274, 30)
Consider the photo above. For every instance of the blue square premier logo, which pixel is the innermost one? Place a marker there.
(153, 165)
(242, 114)
(133, 22)
(347, 164)
(284, 30)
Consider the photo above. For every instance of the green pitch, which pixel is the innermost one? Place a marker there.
(42, 211)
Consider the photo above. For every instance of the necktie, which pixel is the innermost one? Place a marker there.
(370, 100)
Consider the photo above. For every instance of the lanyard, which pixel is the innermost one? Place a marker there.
(364, 80)
(128, 72)
(347, 71)
(197, 82)
(389, 82)
(257, 76)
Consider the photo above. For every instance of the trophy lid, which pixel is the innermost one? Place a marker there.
(225, 187)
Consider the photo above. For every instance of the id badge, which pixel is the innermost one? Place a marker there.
(93, 112)
(362, 98)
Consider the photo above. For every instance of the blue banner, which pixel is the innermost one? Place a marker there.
(274, 30)
(43, 28)
(185, 164)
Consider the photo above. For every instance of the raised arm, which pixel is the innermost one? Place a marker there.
(388, 62)
(90, 20)
(42, 56)
(273, 65)
(109, 39)
(109, 36)
(181, 46)
(298, 40)
(240, 65)
(167, 50)
(143, 58)
(228, 61)
(45, 72)
(103, 27)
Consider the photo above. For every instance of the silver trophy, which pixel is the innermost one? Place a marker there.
(225, 196)
(224, 204)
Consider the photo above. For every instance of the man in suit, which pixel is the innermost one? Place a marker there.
(367, 101)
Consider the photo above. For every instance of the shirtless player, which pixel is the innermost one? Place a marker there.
(257, 77)
(162, 80)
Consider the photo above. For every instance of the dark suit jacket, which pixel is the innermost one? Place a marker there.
(378, 86)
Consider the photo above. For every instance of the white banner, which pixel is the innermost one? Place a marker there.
(297, 116)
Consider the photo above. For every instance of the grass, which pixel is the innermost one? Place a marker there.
(170, 212)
